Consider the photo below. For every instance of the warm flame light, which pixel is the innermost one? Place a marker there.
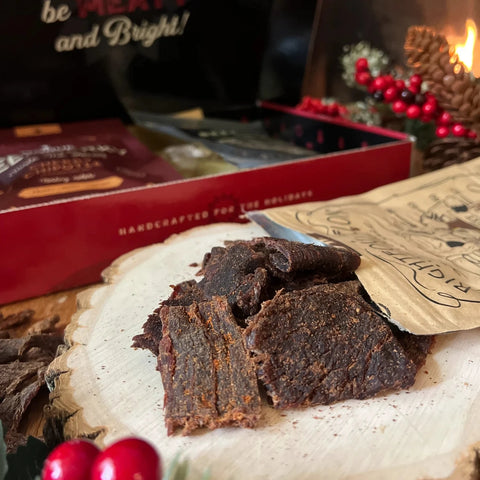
(465, 50)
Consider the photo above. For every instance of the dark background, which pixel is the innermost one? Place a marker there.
(231, 54)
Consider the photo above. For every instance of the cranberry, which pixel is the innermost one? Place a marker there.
(444, 119)
(458, 130)
(127, 459)
(363, 78)
(414, 89)
(390, 94)
(430, 98)
(407, 96)
(361, 65)
(442, 131)
(400, 84)
(389, 80)
(378, 96)
(413, 111)
(471, 134)
(429, 108)
(399, 106)
(379, 83)
(71, 460)
(415, 81)
(332, 109)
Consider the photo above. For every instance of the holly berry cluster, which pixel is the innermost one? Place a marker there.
(407, 98)
(317, 106)
(127, 459)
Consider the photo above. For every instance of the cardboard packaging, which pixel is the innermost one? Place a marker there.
(67, 242)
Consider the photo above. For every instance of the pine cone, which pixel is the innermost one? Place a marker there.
(448, 151)
(430, 55)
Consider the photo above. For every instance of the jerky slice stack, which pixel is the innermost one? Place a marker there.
(23, 363)
(290, 315)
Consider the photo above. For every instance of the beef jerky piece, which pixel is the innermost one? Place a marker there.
(13, 407)
(185, 293)
(10, 349)
(238, 399)
(238, 274)
(15, 319)
(208, 377)
(289, 256)
(417, 347)
(152, 333)
(15, 375)
(40, 346)
(214, 255)
(32, 347)
(318, 346)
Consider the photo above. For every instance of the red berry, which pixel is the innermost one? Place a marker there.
(127, 459)
(399, 106)
(71, 460)
(413, 111)
(361, 65)
(458, 130)
(442, 131)
(471, 134)
(444, 119)
(390, 94)
(429, 108)
(332, 109)
(316, 105)
(400, 84)
(389, 80)
(415, 81)
(363, 78)
(430, 98)
(379, 83)
(414, 89)
(407, 96)
(305, 104)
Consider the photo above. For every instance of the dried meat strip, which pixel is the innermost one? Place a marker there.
(327, 346)
(152, 333)
(14, 375)
(23, 362)
(208, 377)
(238, 400)
(417, 347)
(238, 273)
(288, 256)
(184, 293)
(10, 349)
(13, 407)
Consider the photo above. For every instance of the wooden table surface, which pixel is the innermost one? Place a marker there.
(62, 304)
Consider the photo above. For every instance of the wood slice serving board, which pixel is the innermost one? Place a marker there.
(103, 386)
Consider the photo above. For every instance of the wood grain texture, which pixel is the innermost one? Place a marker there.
(106, 389)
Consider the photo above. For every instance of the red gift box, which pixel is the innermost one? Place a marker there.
(68, 242)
